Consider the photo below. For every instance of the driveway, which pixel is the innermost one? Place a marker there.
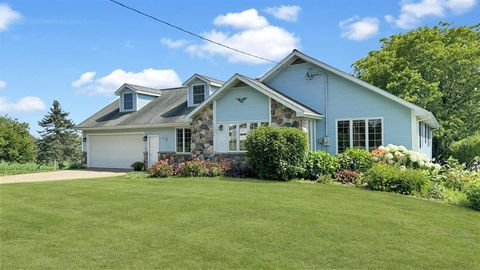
(59, 175)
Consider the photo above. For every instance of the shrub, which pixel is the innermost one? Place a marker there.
(400, 156)
(192, 168)
(346, 176)
(436, 191)
(473, 195)
(276, 152)
(161, 168)
(75, 165)
(137, 166)
(385, 177)
(319, 163)
(454, 176)
(466, 149)
(355, 159)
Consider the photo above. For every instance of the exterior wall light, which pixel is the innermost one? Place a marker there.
(84, 139)
(144, 138)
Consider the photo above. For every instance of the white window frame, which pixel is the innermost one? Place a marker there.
(133, 101)
(204, 93)
(226, 125)
(351, 130)
(183, 141)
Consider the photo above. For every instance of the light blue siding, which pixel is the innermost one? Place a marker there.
(346, 100)
(166, 137)
(254, 107)
(143, 100)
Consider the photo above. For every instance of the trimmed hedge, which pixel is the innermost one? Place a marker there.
(276, 152)
(466, 149)
(389, 178)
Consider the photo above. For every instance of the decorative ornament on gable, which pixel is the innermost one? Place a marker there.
(242, 99)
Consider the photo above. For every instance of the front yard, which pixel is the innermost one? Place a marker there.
(119, 223)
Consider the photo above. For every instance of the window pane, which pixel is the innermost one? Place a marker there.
(374, 134)
(198, 94)
(359, 133)
(232, 134)
(343, 135)
(243, 136)
(128, 101)
(188, 140)
(253, 126)
(179, 140)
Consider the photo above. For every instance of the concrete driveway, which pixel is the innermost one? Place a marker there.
(59, 175)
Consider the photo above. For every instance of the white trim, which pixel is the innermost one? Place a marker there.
(200, 77)
(350, 120)
(295, 53)
(269, 110)
(149, 138)
(214, 123)
(179, 125)
(205, 95)
(104, 134)
(128, 86)
(299, 110)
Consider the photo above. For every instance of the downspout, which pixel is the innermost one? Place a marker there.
(309, 76)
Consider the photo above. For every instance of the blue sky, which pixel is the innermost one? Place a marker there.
(79, 52)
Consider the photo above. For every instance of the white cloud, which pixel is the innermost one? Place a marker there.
(24, 105)
(356, 28)
(174, 44)
(86, 77)
(412, 13)
(286, 13)
(7, 16)
(248, 19)
(156, 78)
(255, 35)
(3, 84)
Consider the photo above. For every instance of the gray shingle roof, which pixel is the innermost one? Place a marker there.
(170, 107)
(210, 79)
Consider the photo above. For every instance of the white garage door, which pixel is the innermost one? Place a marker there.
(115, 151)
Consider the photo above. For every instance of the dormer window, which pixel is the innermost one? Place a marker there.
(127, 101)
(198, 92)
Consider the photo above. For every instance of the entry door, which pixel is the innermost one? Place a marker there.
(153, 148)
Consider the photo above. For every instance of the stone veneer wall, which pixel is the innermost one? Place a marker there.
(202, 133)
(283, 116)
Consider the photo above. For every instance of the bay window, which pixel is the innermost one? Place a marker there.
(235, 135)
(359, 133)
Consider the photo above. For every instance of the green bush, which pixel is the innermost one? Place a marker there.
(319, 163)
(465, 150)
(355, 159)
(276, 152)
(472, 193)
(385, 177)
(454, 176)
(192, 168)
(137, 166)
(161, 168)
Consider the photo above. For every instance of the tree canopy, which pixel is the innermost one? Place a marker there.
(437, 68)
(58, 141)
(16, 143)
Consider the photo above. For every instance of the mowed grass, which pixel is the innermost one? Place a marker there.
(119, 223)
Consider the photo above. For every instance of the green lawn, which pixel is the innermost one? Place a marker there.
(119, 223)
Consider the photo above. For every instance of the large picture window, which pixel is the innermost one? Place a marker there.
(198, 93)
(359, 133)
(237, 134)
(184, 140)
(128, 101)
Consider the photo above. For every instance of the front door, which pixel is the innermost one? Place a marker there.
(153, 149)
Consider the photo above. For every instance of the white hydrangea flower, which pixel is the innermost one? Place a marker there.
(437, 166)
(375, 158)
(402, 148)
(390, 161)
(389, 156)
(382, 148)
(413, 158)
(421, 163)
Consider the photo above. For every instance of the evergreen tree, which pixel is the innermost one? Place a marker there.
(58, 142)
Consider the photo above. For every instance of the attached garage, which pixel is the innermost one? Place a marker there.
(114, 150)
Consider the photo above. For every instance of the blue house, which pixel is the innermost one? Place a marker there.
(209, 118)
